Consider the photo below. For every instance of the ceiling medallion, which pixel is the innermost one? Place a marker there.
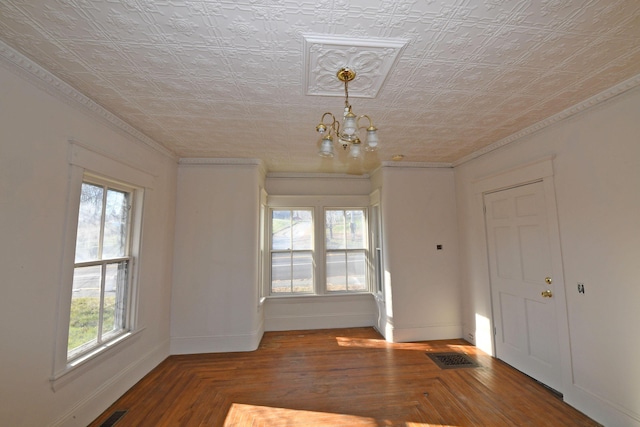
(346, 132)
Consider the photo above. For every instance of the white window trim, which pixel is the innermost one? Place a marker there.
(318, 204)
(271, 251)
(85, 160)
(366, 250)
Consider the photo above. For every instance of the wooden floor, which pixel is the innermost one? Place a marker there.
(339, 377)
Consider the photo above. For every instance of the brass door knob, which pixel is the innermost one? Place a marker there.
(547, 294)
(548, 280)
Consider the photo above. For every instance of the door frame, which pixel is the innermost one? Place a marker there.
(540, 170)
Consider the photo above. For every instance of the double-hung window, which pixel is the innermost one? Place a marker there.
(101, 289)
(317, 250)
(292, 263)
(346, 250)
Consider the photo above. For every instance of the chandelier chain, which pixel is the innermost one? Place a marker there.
(346, 94)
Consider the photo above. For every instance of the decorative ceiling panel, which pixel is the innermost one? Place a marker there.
(444, 80)
(371, 59)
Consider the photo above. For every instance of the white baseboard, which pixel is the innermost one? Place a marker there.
(605, 412)
(216, 343)
(319, 321)
(422, 333)
(94, 404)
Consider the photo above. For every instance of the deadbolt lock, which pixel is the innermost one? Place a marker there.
(548, 280)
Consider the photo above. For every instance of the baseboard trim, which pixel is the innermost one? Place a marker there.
(319, 321)
(95, 403)
(601, 410)
(217, 343)
(422, 333)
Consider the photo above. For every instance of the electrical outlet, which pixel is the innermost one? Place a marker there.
(580, 288)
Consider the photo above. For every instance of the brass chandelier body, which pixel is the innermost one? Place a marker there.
(346, 132)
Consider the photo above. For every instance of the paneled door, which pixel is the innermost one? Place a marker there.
(522, 288)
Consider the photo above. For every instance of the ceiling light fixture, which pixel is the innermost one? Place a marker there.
(347, 133)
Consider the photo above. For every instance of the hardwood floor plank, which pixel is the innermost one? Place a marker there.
(341, 377)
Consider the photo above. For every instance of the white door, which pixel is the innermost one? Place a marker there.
(521, 266)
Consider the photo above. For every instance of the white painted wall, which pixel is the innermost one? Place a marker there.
(422, 295)
(596, 159)
(34, 169)
(215, 302)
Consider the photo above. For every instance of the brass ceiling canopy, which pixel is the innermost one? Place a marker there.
(346, 74)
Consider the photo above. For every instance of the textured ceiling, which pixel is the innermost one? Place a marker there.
(218, 78)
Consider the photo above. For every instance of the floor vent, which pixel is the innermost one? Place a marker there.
(452, 360)
(113, 419)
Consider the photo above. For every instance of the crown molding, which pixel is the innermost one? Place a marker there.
(219, 161)
(303, 175)
(45, 80)
(424, 165)
(571, 111)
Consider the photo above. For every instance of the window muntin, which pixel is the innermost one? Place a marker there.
(346, 250)
(100, 290)
(292, 262)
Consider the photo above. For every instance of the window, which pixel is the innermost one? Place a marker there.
(292, 251)
(101, 278)
(319, 249)
(345, 250)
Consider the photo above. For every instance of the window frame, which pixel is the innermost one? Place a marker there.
(346, 251)
(291, 251)
(318, 204)
(104, 338)
(84, 161)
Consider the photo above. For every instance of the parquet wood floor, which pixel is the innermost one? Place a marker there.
(339, 377)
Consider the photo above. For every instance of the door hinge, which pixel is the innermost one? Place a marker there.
(495, 331)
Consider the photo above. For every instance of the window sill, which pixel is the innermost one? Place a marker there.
(319, 297)
(76, 367)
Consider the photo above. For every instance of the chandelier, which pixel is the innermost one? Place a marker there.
(347, 133)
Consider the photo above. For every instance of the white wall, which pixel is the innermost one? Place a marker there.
(35, 127)
(215, 302)
(596, 159)
(422, 295)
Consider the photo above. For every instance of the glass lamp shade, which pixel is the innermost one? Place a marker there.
(354, 151)
(372, 139)
(326, 148)
(349, 126)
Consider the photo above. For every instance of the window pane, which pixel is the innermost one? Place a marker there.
(85, 307)
(302, 272)
(115, 299)
(89, 219)
(356, 236)
(280, 230)
(116, 224)
(302, 230)
(336, 271)
(281, 272)
(346, 271)
(356, 269)
(335, 232)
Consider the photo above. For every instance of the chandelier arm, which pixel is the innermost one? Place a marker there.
(333, 118)
(368, 118)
